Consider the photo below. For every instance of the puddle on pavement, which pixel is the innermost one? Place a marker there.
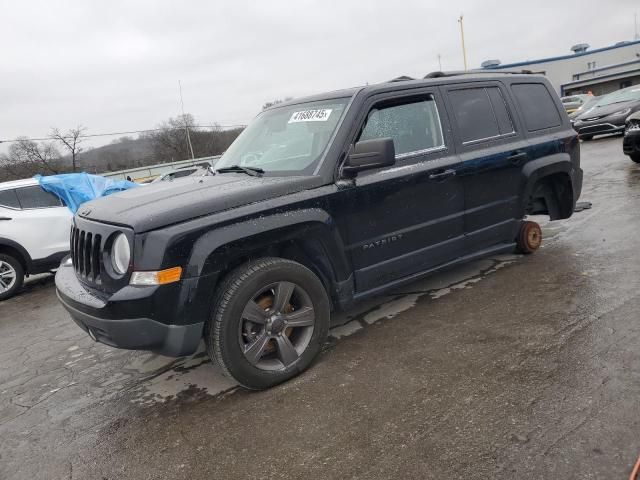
(188, 377)
(166, 378)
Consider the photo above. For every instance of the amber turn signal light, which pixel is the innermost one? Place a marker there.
(162, 277)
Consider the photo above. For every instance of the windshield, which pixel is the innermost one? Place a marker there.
(287, 140)
(624, 95)
(589, 103)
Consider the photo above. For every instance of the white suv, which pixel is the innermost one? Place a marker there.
(34, 233)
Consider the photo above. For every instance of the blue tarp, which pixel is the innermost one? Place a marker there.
(76, 188)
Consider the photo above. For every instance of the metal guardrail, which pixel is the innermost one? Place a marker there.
(152, 171)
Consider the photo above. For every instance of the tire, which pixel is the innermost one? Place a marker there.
(635, 157)
(529, 237)
(586, 138)
(250, 333)
(11, 276)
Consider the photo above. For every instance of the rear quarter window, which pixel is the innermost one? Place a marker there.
(536, 106)
(8, 198)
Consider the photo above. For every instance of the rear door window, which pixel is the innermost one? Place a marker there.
(481, 113)
(536, 105)
(35, 197)
(501, 111)
(474, 115)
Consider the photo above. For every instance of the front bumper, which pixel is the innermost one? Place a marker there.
(116, 319)
(631, 142)
(599, 127)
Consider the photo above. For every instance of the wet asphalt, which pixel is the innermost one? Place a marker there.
(510, 367)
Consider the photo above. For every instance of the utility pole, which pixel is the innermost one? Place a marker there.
(464, 50)
(635, 22)
(439, 62)
(186, 127)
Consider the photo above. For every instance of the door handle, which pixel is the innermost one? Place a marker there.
(5, 218)
(442, 175)
(517, 157)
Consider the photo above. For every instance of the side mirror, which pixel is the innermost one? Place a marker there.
(369, 154)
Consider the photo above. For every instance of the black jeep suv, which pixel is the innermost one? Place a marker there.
(320, 202)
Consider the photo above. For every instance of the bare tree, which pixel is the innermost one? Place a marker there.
(26, 158)
(169, 142)
(71, 141)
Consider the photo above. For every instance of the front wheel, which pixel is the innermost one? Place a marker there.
(635, 157)
(270, 319)
(11, 276)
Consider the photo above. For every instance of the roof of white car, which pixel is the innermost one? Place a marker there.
(27, 182)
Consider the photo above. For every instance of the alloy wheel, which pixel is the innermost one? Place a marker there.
(7, 276)
(276, 326)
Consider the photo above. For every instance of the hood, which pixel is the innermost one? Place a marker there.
(606, 110)
(165, 203)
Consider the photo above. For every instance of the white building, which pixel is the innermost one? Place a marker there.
(599, 71)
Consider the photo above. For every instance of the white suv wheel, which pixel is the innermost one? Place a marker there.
(11, 276)
(7, 277)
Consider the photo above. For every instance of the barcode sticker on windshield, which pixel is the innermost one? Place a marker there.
(320, 115)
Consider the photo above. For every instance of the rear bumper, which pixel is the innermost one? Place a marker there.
(116, 321)
(42, 265)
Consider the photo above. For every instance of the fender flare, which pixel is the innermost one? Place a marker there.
(28, 261)
(202, 259)
(539, 168)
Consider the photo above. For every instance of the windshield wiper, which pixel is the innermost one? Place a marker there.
(253, 171)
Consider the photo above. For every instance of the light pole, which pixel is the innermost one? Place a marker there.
(186, 126)
(464, 50)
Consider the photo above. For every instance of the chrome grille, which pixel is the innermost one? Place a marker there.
(85, 254)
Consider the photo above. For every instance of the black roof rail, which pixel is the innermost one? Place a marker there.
(485, 72)
(401, 78)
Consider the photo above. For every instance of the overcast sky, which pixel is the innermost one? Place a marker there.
(115, 65)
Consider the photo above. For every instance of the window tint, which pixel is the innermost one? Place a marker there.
(413, 126)
(505, 125)
(35, 197)
(9, 199)
(473, 113)
(537, 107)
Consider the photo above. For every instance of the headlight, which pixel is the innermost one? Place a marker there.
(626, 111)
(120, 254)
